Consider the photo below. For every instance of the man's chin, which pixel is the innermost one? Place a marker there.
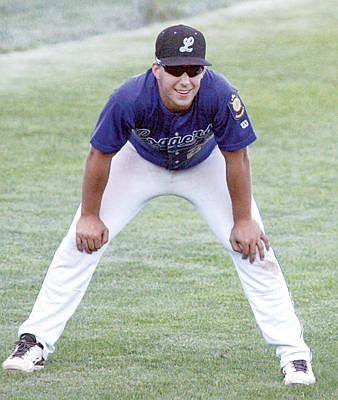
(183, 104)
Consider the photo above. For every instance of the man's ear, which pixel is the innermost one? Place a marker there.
(156, 68)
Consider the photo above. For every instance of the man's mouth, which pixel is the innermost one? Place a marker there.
(183, 92)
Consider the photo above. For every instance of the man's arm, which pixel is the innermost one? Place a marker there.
(246, 235)
(91, 233)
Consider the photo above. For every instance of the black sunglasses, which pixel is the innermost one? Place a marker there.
(178, 70)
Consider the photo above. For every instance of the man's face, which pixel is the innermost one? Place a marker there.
(176, 92)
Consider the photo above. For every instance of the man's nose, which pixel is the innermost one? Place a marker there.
(184, 78)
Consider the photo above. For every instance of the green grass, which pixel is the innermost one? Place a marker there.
(164, 316)
(32, 23)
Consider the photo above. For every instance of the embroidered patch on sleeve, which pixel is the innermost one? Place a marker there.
(236, 106)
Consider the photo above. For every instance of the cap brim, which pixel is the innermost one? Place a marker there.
(171, 61)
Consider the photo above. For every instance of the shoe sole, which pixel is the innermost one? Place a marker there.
(299, 382)
(15, 367)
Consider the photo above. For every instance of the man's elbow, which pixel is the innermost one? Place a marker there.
(240, 155)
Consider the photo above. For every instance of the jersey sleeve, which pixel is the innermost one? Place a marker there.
(232, 126)
(113, 127)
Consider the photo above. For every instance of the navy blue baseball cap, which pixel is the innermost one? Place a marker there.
(180, 45)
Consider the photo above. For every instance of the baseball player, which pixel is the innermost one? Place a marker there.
(178, 129)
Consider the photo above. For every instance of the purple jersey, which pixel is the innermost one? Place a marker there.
(135, 112)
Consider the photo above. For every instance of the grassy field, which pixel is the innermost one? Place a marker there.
(165, 316)
(30, 23)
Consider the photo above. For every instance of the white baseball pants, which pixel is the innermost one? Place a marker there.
(133, 181)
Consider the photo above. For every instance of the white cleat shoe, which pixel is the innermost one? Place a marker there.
(27, 355)
(298, 372)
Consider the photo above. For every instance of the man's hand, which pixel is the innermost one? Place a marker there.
(246, 237)
(91, 233)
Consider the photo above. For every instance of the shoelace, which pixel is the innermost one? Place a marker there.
(23, 346)
(299, 365)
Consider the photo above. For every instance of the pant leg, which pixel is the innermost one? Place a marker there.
(132, 182)
(263, 282)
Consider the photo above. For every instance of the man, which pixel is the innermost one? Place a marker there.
(178, 129)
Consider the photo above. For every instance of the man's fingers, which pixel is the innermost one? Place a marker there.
(84, 244)
(235, 245)
(105, 236)
(260, 249)
(91, 234)
(241, 247)
(97, 244)
(266, 241)
(248, 239)
(252, 251)
(263, 242)
(79, 243)
(90, 245)
(246, 250)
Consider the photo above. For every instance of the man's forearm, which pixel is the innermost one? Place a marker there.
(239, 183)
(246, 235)
(94, 182)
